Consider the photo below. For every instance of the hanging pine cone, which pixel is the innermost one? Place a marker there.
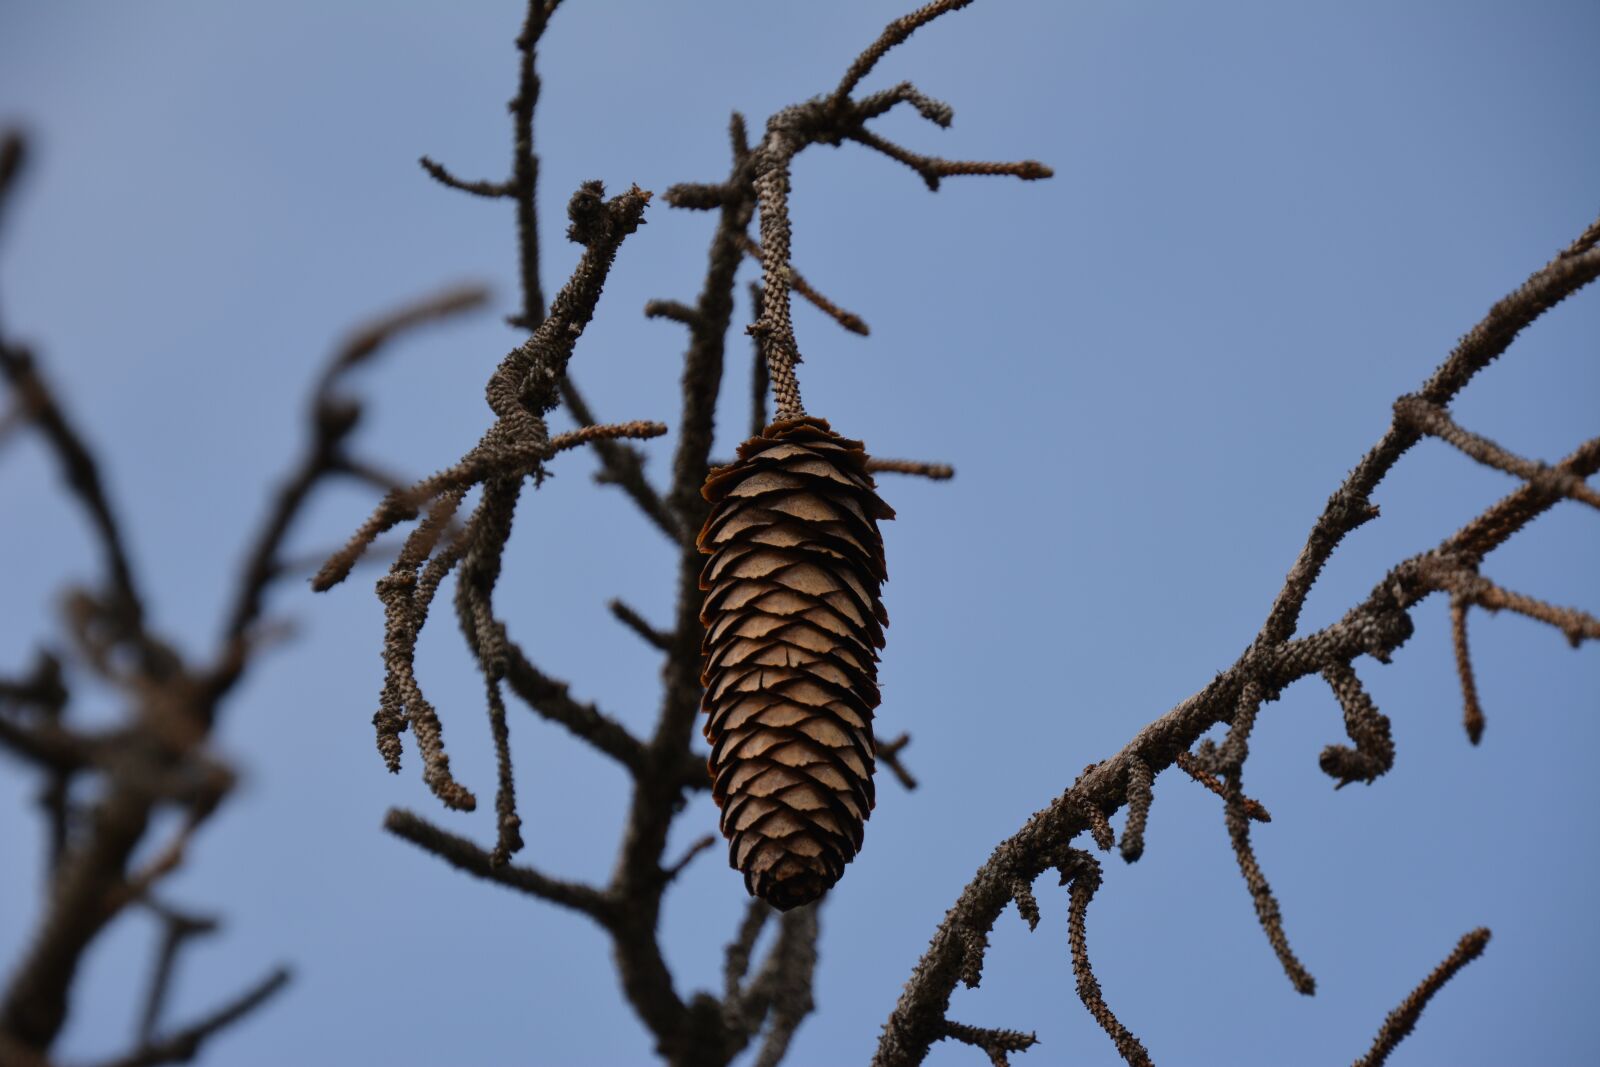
(793, 624)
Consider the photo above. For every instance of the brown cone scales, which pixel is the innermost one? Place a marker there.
(793, 624)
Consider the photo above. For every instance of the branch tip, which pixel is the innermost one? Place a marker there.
(1403, 1019)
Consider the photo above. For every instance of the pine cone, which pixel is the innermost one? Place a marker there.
(793, 624)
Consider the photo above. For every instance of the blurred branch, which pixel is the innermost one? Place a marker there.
(466, 856)
(184, 1045)
(938, 472)
(637, 623)
(331, 419)
(889, 755)
(157, 758)
(622, 466)
(176, 930)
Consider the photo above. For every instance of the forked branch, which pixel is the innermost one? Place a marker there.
(1375, 627)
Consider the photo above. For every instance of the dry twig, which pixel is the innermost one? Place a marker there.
(1082, 873)
(1403, 1019)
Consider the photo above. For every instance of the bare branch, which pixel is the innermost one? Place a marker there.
(675, 310)
(467, 856)
(622, 466)
(332, 419)
(13, 155)
(760, 382)
(1191, 766)
(1349, 507)
(893, 34)
(1082, 872)
(1140, 797)
(1267, 911)
(699, 196)
(638, 430)
(492, 190)
(551, 699)
(889, 756)
(1369, 729)
(848, 319)
(637, 623)
(369, 340)
(1471, 587)
(184, 1045)
(1403, 1019)
(736, 957)
(699, 845)
(830, 120)
(938, 472)
(1490, 530)
(786, 983)
(996, 1044)
(81, 471)
(1235, 748)
(933, 169)
(177, 929)
(1376, 626)
(1435, 421)
(1472, 713)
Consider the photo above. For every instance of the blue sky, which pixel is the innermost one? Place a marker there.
(1267, 222)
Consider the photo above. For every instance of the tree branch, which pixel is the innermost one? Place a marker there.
(184, 1045)
(1403, 1019)
(464, 855)
(1376, 627)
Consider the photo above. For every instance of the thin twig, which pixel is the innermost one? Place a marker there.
(1373, 754)
(184, 1045)
(1268, 913)
(889, 755)
(80, 470)
(938, 472)
(1083, 874)
(621, 465)
(1472, 716)
(699, 845)
(1434, 420)
(332, 419)
(760, 383)
(995, 1043)
(638, 430)
(1403, 1019)
(785, 983)
(848, 319)
(637, 623)
(736, 957)
(1350, 506)
(1140, 797)
(1468, 585)
(893, 34)
(467, 856)
(552, 700)
(1491, 529)
(177, 929)
(1253, 809)
(477, 188)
